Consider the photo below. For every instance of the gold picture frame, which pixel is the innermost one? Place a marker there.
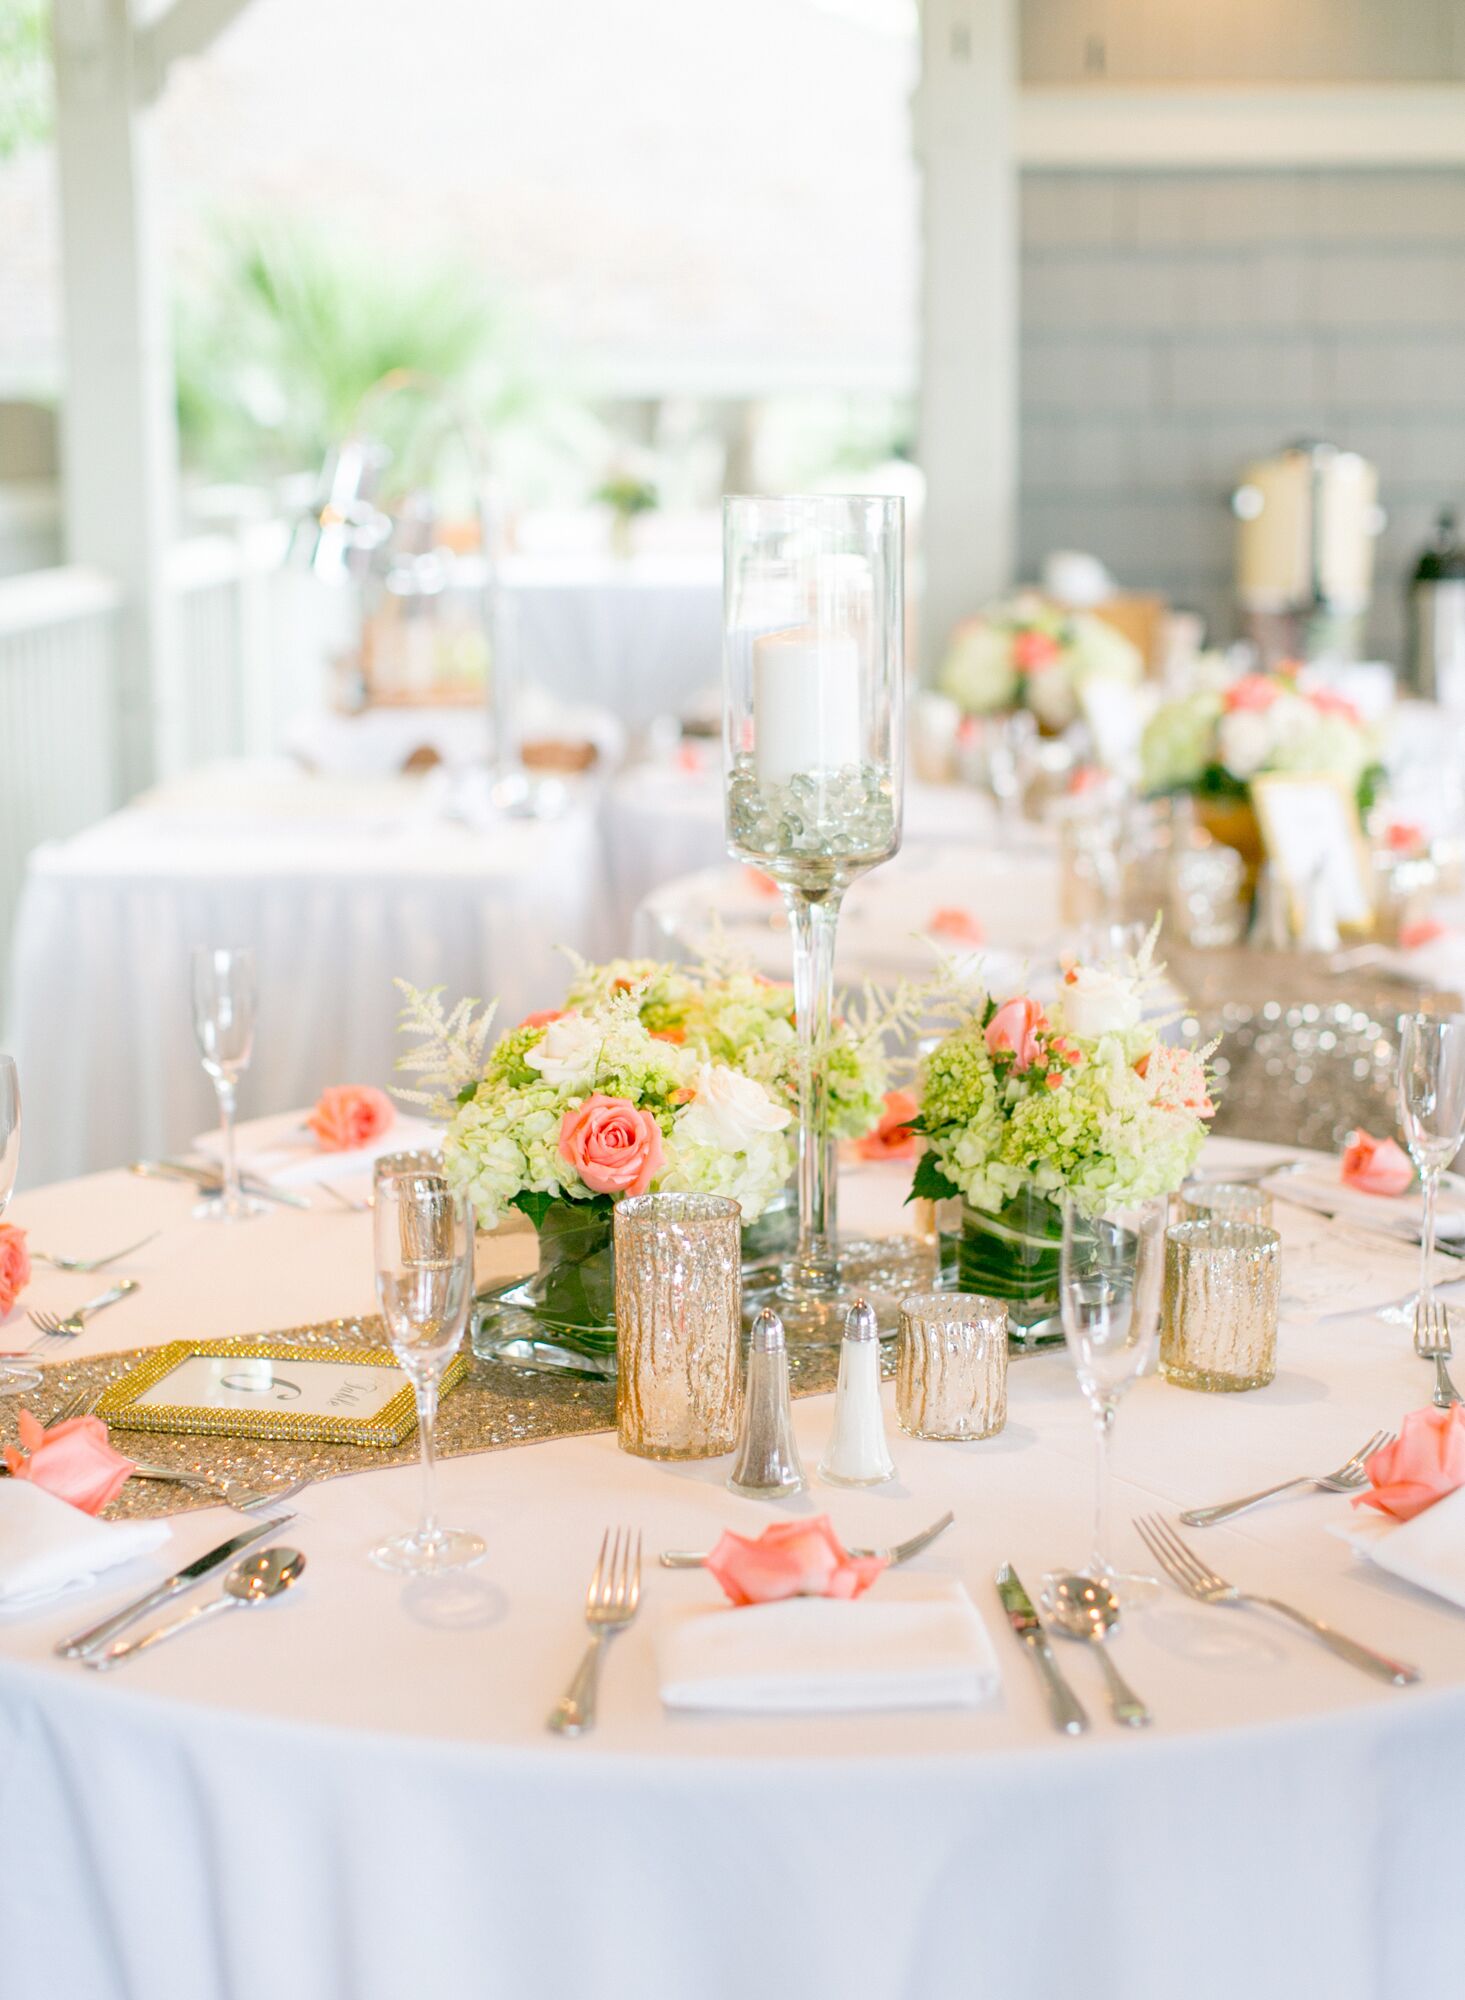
(387, 1409)
(1310, 820)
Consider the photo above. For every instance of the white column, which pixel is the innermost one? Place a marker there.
(119, 441)
(965, 116)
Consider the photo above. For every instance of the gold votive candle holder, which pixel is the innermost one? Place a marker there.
(951, 1365)
(1224, 1201)
(1223, 1285)
(678, 1324)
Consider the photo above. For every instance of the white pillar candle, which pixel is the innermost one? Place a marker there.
(806, 704)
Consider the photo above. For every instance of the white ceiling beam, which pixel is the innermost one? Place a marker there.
(1169, 126)
(186, 29)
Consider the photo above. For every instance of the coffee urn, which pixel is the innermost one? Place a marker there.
(1437, 619)
(1308, 520)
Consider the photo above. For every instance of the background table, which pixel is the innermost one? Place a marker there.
(340, 888)
(352, 1794)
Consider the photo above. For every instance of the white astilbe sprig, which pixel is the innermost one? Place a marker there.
(449, 1054)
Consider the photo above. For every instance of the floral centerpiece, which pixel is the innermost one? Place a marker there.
(570, 1112)
(1215, 740)
(1022, 1106)
(1024, 652)
(731, 1015)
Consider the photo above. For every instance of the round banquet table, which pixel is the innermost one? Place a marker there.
(340, 886)
(353, 1796)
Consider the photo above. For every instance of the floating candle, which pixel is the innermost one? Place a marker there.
(806, 704)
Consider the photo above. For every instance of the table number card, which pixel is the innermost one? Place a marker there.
(264, 1389)
(1312, 835)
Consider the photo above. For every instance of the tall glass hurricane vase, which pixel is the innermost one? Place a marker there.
(813, 668)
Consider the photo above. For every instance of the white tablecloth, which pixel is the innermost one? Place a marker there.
(352, 1795)
(339, 888)
(641, 637)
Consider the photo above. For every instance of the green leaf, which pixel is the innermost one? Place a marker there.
(929, 1183)
(533, 1203)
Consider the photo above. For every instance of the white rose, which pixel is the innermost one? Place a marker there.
(569, 1052)
(729, 1111)
(1096, 1003)
(1051, 696)
(1244, 739)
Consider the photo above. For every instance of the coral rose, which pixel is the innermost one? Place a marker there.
(613, 1146)
(15, 1265)
(892, 1138)
(950, 921)
(72, 1460)
(1033, 651)
(1425, 1462)
(1015, 1027)
(790, 1559)
(351, 1115)
(543, 1018)
(1250, 695)
(1376, 1166)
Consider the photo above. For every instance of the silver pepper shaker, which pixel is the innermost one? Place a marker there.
(767, 1462)
(857, 1454)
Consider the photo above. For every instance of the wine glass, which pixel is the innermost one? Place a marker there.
(1432, 1112)
(1110, 1272)
(424, 1282)
(225, 991)
(15, 1376)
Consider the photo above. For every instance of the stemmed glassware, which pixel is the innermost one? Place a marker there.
(424, 1283)
(1111, 1269)
(814, 689)
(1432, 1112)
(224, 1000)
(15, 1376)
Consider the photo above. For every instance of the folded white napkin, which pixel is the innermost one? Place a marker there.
(48, 1546)
(283, 1149)
(1323, 1185)
(911, 1642)
(1428, 1551)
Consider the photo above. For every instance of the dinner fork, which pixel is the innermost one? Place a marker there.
(227, 1492)
(1191, 1576)
(53, 1325)
(1432, 1343)
(610, 1605)
(898, 1552)
(1349, 1478)
(94, 1263)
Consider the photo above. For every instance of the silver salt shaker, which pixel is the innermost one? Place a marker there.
(767, 1462)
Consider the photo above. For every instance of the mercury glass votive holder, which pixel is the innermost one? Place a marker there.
(951, 1365)
(1224, 1201)
(678, 1290)
(1223, 1283)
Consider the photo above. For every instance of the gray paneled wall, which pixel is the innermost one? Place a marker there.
(1175, 325)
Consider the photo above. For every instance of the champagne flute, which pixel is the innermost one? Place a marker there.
(1110, 1272)
(1432, 1112)
(424, 1282)
(225, 991)
(15, 1376)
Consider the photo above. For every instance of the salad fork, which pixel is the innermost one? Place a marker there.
(610, 1605)
(1432, 1343)
(54, 1325)
(1191, 1576)
(94, 1263)
(1349, 1478)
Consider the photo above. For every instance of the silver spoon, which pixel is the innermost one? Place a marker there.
(253, 1581)
(1083, 1608)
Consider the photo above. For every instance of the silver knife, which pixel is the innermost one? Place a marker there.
(210, 1182)
(1063, 1704)
(98, 1635)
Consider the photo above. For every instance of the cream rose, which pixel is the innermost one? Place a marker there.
(1097, 1003)
(569, 1052)
(728, 1111)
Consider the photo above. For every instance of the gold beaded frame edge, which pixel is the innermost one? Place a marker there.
(392, 1423)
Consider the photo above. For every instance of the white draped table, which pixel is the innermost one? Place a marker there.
(340, 887)
(352, 1795)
